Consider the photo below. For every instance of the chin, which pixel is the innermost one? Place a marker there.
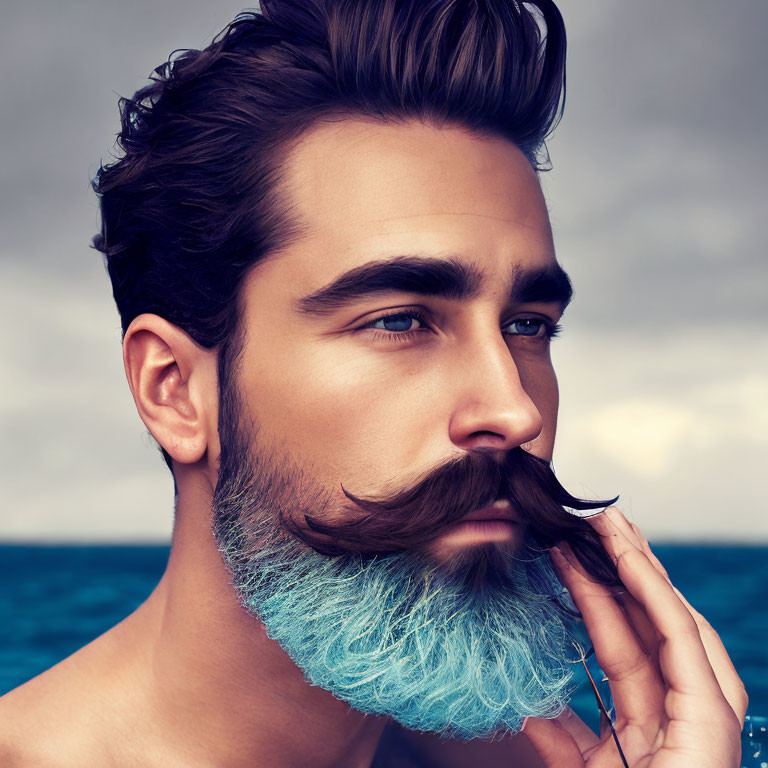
(481, 566)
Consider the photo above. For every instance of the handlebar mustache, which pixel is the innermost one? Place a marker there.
(411, 518)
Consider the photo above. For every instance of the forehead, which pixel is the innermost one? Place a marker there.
(367, 190)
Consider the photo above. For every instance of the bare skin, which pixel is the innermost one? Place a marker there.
(189, 679)
(677, 696)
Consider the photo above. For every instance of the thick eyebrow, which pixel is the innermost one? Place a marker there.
(446, 278)
(547, 284)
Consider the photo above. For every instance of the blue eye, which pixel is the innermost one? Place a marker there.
(401, 322)
(396, 322)
(528, 326)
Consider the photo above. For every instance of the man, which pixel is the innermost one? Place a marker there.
(337, 283)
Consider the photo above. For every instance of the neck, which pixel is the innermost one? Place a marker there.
(216, 685)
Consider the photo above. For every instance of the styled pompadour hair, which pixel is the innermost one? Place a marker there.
(196, 197)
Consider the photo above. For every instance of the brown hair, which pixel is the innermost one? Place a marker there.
(195, 199)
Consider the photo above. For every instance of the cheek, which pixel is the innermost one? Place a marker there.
(369, 420)
(380, 425)
(348, 415)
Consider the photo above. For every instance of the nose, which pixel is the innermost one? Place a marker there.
(493, 410)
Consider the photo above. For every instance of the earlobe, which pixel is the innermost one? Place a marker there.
(173, 382)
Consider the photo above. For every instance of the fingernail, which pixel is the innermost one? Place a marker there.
(525, 722)
(601, 521)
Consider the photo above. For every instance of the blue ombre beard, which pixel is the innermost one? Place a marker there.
(393, 634)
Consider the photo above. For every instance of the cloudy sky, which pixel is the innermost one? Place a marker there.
(657, 196)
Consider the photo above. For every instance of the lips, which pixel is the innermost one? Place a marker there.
(499, 510)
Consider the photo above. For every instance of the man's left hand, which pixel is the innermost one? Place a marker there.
(678, 700)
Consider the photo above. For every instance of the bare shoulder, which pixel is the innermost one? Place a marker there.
(43, 723)
(11, 737)
(25, 725)
(61, 717)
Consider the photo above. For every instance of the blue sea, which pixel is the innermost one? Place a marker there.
(55, 599)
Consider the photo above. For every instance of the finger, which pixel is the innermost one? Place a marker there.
(627, 528)
(646, 547)
(642, 625)
(726, 674)
(582, 734)
(637, 616)
(730, 683)
(556, 747)
(682, 655)
(636, 686)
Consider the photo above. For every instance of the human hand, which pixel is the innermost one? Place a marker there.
(678, 700)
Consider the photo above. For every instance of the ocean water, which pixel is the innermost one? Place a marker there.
(55, 599)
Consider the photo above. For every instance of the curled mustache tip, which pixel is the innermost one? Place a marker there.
(586, 514)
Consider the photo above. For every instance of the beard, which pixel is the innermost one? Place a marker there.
(465, 646)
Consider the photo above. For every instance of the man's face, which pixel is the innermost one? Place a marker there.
(458, 633)
(373, 408)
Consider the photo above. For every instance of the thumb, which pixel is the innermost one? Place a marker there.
(554, 745)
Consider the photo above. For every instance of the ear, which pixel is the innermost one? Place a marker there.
(174, 385)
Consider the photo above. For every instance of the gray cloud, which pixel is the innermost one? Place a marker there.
(659, 181)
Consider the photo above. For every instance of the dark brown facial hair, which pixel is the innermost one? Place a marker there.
(412, 518)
